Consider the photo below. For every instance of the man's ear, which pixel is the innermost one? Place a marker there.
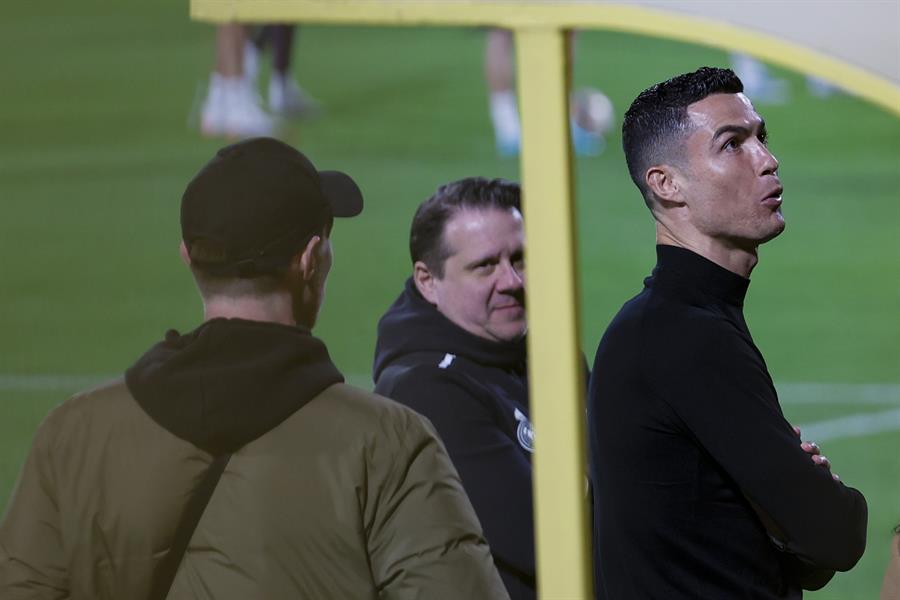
(662, 181)
(185, 255)
(306, 262)
(425, 282)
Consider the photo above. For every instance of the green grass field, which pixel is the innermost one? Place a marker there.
(96, 148)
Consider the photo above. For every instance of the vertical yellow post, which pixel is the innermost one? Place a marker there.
(556, 368)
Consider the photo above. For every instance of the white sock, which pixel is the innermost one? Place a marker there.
(251, 62)
(505, 115)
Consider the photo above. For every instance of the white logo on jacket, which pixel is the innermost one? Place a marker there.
(446, 361)
(524, 432)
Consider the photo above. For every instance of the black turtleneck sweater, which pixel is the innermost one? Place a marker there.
(475, 393)
(701, 489)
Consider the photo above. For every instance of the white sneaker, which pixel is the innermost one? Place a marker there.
(212, 113)
(232, 109)
(288, 99)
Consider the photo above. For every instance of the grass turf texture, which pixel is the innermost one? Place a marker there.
(96, 151)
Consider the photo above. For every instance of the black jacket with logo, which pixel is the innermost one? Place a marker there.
(475, 393)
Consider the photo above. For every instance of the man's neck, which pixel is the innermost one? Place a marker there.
(737, 260)
(275, 308)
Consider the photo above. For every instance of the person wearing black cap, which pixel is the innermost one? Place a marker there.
(702, 489)
(232, 461)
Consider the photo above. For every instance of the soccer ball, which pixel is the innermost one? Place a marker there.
(592, 111)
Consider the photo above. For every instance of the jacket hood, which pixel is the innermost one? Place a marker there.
(230, 381)
(412, 324)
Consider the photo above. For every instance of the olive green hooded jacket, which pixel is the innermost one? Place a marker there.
(331, 492)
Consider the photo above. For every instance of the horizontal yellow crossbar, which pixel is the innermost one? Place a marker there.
(559, 14)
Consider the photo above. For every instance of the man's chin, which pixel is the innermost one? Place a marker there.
(510, 332)
(777, 229)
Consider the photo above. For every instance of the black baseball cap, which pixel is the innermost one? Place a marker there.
(257, 203)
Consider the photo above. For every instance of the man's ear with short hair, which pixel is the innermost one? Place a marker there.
(185, 255)
(662, 182)
(425, 280)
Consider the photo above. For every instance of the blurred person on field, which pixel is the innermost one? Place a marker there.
(232, 461)
(232, 107)
(702, 489)
(764, 88)
(285, 96)
(452, 347)
(591, 111)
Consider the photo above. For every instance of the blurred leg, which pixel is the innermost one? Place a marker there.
(286, 97)
(499, 73)
(230, 50)
(282, 47)
(231, 108)
(499, 63)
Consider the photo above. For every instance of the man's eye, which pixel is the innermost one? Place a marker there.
(731, 144)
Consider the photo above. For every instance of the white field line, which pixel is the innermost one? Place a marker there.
(839, 393)
(49, 382)
(864, 394)
(789, 393)
(852, 426)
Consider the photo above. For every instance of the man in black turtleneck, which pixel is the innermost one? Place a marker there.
(701, 487)
(452, 347)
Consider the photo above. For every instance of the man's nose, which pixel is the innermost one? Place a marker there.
(768, 162)
(509, 278)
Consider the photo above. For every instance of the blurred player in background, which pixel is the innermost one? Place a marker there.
(285, 96)
(591, 111)
(233, 107)
(764, 88)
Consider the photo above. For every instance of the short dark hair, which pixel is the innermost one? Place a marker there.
(426, 236)
(657, 119)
